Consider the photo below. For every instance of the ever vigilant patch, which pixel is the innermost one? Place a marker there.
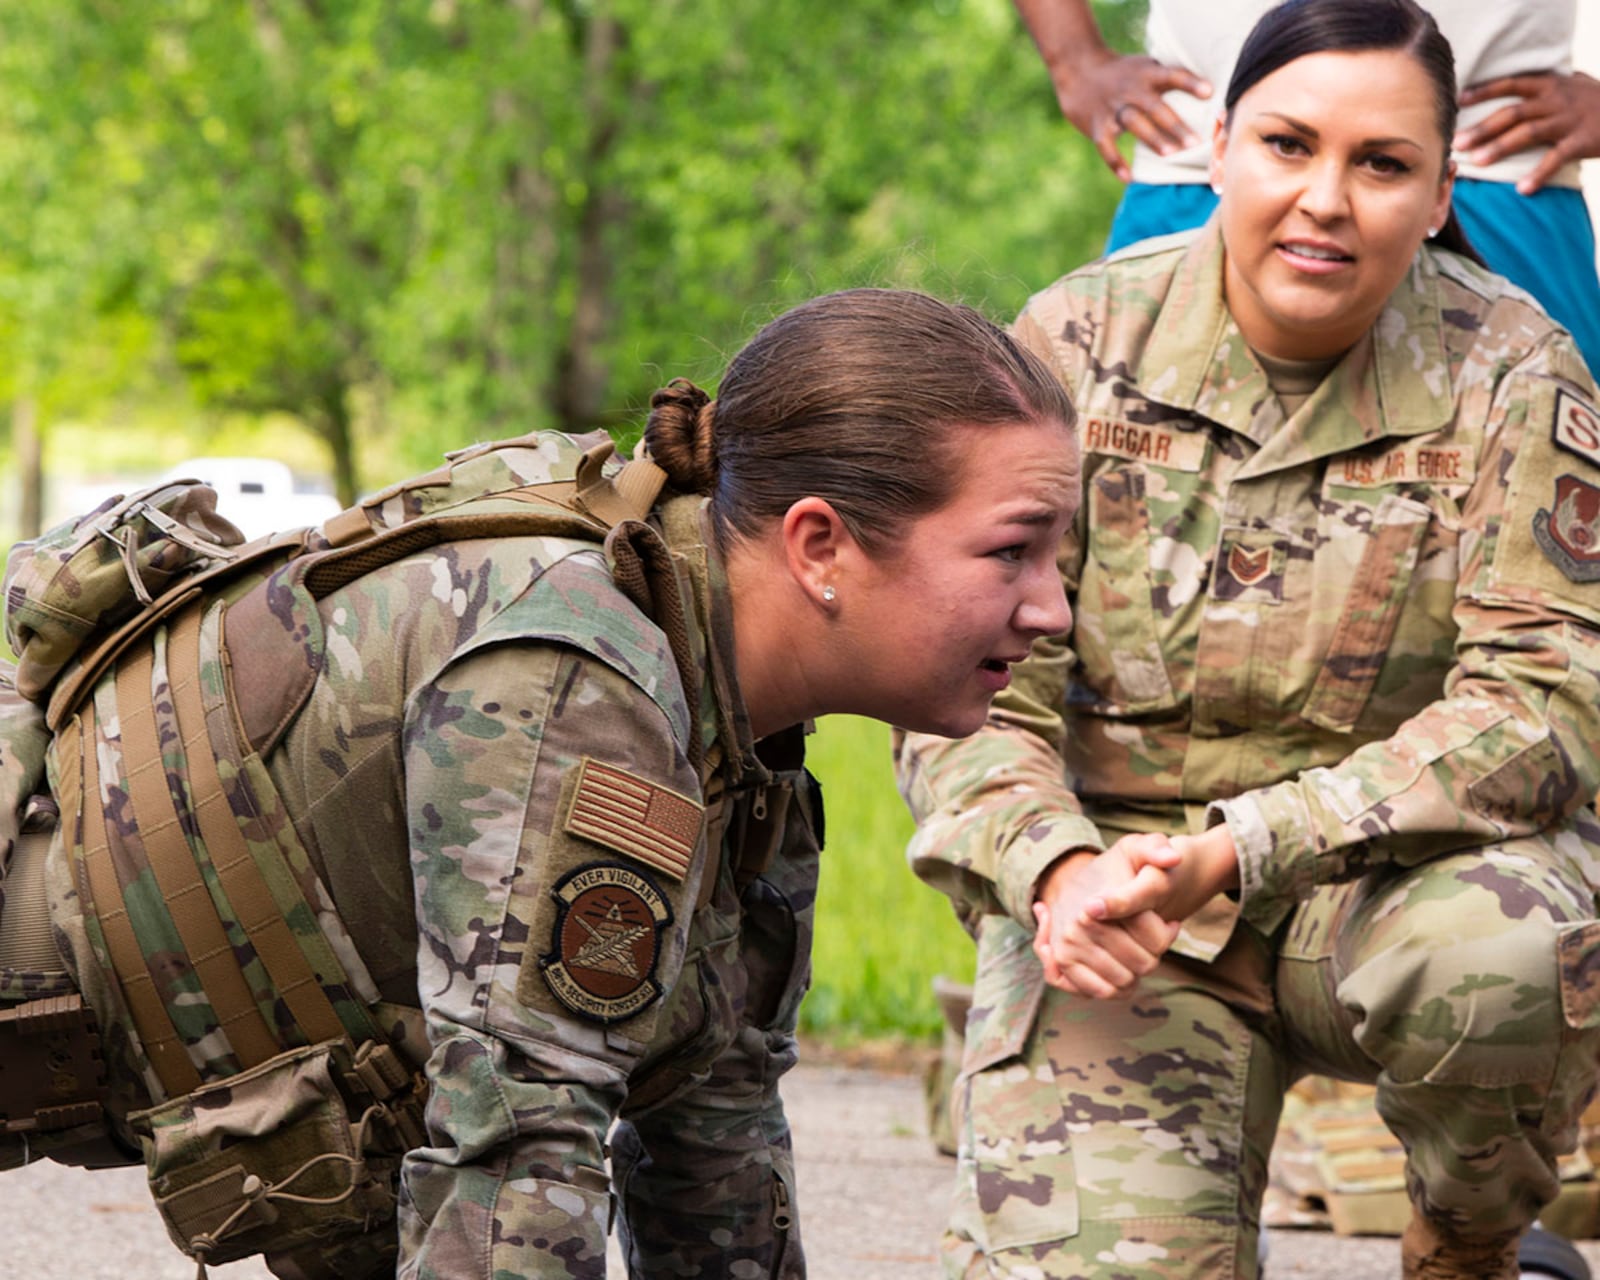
(606, 942)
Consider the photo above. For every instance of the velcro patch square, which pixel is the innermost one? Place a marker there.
(1577, 427)
(633, 815)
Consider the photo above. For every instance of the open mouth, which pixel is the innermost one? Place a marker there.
(995, 664)
(1315, 252)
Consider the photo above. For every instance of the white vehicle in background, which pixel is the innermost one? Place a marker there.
(257, 494)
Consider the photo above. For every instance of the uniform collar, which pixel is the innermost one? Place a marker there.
(1393, 382)
(685, 522)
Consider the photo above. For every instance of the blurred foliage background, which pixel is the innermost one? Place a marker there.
(352, 234)
(370, 230)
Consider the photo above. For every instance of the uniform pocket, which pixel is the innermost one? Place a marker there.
(1579, 952)
(696, 1021)
(1372, 606)
(266, 1159)
(777, 913)
(1015, 1184)
(1016, 1181)
(1115, 635)
(776, 964)
(1005, 993)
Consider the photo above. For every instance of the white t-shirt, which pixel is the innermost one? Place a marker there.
(1491, 38)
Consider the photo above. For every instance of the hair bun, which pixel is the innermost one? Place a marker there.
(681, 436)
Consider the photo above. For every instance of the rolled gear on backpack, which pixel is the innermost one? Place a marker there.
(90, 574)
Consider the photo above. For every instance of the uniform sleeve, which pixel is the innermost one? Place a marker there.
(708, 1180)
(996, 809)
(524, 1088)
(1513, 745)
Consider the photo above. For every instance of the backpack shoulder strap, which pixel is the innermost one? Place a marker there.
(274, 628)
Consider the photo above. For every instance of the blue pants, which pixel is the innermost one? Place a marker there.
(1544, 242)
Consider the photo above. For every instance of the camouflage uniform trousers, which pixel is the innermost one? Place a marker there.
(1130, 1138)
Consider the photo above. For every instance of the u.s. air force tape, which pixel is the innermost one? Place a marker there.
(635, 816)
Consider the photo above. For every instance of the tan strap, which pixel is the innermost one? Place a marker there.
(639, 484)
(354, 524)
(349, 525)
(645, 570)
(326, 572)
(103, 898)
(176, 865)
(258, 911)
(27, 939)
(628, 495)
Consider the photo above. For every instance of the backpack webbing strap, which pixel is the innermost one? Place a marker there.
(325, 572)
(349, 525)
(103, 902)
(263, 907)
(628, 495)
(176, 864)
(644, 571)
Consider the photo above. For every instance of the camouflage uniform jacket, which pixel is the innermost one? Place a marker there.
(504, 689)
(493, 780)
(1366, 632)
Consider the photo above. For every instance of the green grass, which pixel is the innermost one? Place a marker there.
(881, 933)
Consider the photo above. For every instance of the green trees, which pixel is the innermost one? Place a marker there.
(411, 223)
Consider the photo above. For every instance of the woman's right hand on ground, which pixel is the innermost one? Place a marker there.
(1104, 958)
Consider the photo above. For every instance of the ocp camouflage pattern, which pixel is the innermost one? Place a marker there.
(1339, 631)
(427, 779)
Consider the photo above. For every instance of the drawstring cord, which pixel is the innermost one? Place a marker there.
(260, 1196)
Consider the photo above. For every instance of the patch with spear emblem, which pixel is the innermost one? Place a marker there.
(606, 941)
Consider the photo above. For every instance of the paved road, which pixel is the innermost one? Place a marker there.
(872, 1193)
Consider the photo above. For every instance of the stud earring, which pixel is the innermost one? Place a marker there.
(1432, 231)
(828, 593)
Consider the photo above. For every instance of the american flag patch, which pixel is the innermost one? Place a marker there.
(634, 816)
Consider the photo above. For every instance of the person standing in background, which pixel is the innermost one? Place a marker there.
(1527, 119)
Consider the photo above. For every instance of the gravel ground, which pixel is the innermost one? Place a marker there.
(872, 1194)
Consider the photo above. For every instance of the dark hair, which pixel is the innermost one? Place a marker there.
(1299, 27)
(857, 397)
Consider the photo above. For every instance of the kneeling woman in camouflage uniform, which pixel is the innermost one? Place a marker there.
(545, 790)
(1331, 703)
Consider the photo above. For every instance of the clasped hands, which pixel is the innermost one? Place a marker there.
(1103, 920)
